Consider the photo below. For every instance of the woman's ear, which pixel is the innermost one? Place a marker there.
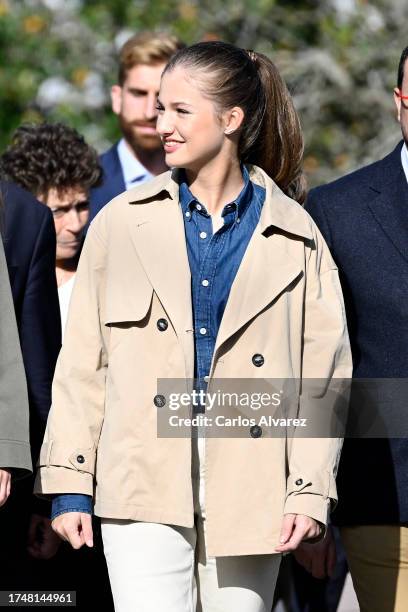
(233, 119)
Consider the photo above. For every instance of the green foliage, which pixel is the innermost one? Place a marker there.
(339, 57)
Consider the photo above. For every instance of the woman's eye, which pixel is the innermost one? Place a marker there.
(182, 111)
(159, 108)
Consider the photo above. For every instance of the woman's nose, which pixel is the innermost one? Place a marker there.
(164, 124)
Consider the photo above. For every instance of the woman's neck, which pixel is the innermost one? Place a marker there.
(65, 270)
(216, 185)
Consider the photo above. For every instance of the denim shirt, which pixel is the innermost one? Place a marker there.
(214, 260)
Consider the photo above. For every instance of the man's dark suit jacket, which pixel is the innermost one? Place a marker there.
(29, 244)
(364, 219)
(113, 182)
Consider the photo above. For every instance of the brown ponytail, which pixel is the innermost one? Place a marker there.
(278, 148)
(271, 136)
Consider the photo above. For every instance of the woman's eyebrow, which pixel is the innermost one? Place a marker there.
(181, 102)
(176, 103)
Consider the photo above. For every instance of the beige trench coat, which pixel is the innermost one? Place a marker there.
(101, 437)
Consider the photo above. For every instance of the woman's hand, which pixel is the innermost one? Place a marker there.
(5, 485)
(75, 528)
(295, 529)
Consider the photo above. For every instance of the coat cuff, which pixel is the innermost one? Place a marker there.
(312, 496)
(56, 454)
(54, 480)
(63, 469)
(16, 456)
(315, 506)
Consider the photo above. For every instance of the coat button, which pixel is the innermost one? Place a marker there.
(81, 459)
(299, 481)
(256, 431)
(162, 324)
(258, 360)
(159, 401)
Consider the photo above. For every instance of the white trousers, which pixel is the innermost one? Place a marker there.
(164, 568)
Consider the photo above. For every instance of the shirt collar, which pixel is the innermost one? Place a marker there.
(238, 206)
(280, 211)
(404, 159)
(133, 170)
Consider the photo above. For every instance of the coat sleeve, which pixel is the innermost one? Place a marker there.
(40, 329)
(326, 372)
(14, 415)
(68, 454)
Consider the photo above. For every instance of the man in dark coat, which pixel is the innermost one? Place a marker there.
(29, 245)
(364, 219)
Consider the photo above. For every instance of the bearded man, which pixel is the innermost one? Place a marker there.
(138, 156)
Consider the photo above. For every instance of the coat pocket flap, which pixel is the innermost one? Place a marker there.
(129, 306)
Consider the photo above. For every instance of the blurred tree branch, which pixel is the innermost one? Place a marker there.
(339, 57)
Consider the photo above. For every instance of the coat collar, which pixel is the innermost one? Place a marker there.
(158, 235)
(389, 200)
(278, 211)
(387, 171)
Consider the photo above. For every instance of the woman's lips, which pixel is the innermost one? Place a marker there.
(170, 146)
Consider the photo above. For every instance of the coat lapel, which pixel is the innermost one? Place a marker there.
(389, 204)
(265, 271)
(267, 267)
(158, 236)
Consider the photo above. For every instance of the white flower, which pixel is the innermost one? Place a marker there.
(122, 37)
(94, 94)
(56, 90)
(62, 5)
(346, 8)
(375, 20)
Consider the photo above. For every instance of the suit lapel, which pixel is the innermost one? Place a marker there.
(389, 204)
(114, 173)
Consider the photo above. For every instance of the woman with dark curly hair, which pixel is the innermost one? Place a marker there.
(58, 167)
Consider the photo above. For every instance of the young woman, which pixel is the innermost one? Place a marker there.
(208, 271)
